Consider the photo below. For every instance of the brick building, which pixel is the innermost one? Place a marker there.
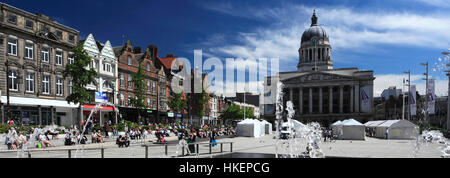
(34, 50)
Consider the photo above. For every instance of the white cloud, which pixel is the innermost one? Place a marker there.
(437, 3)
(385, 81)
(347, 28)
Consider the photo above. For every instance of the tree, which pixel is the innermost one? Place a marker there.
(176, 103)
(80, 76)
(139, 91)
(202, 99)
(233, 112)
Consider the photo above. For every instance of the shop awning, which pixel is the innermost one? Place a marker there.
(103, 108)
(22, 101)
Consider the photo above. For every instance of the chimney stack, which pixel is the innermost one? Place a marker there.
(137, 50)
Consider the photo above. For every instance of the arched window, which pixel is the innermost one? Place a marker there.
(130, 62)
(148, 66)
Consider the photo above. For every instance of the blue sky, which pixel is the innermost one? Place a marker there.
(388, 37)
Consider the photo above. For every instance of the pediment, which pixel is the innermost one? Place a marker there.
(47, 35)
(29, 65)
(319, 76)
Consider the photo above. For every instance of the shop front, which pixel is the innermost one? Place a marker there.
(34, 111)
(101, 114)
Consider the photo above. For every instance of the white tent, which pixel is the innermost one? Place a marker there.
(267, 127)
(298, 124)
(249, 128)
(397, 129)
(335, 127)
(352, 130)
(373, 124)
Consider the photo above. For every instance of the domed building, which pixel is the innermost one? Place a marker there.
(318, 91)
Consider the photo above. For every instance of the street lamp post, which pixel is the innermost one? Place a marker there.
(448, 99)
(409, 92)
(403, 100)
(426, 91)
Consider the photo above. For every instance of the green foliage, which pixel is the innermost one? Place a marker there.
(80, 76)
(176, 103)
(121, 127)
(138, 80)
(4, 128)
(233, 112)
(202, 99)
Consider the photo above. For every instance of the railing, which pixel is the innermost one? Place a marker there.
(197, 150)
(69, 151)
(102, 149)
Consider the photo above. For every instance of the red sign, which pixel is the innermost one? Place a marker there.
(91, 106)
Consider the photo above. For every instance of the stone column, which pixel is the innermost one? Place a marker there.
(300, 99)
(351, 99)
(101, 117)
(52, 115)
(320, 100)
(291, 91)
(40, 114)
(341, 99)
(310, 101)
(3, 113)
(330, 100)
(357, 98)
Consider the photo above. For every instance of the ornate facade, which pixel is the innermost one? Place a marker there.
(34, 50)
(104, 62)
(319, 92)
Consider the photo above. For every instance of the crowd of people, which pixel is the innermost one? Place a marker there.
(75, 135)
(16, 140)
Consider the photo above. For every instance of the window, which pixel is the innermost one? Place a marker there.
(129, 81)
(129, 99)
(148, 102)
(12, 47)
(45, 54)
(59, 34)
(12, 19)
(59, 86)
(70, 59)
(130, 62)
(46, 84)
(106, 85)
(148, 66)
(148, 85)
(122, 80)
(71, 38)
(180, 82)
(154, 86)
(122, 100)
(29, 50)
(104, 68)
(13, 80)
(108, 67)
(58, 57)
(70, 87)
(29, 24)
(30, 82)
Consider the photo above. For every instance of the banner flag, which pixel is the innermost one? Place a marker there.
(431, 97)
(412, 100)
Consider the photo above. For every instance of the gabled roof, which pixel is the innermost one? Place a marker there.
(351, 122)
(90, 44)
(167, 61)
(374, 123)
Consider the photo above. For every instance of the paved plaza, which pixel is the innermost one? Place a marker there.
(370, 148)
